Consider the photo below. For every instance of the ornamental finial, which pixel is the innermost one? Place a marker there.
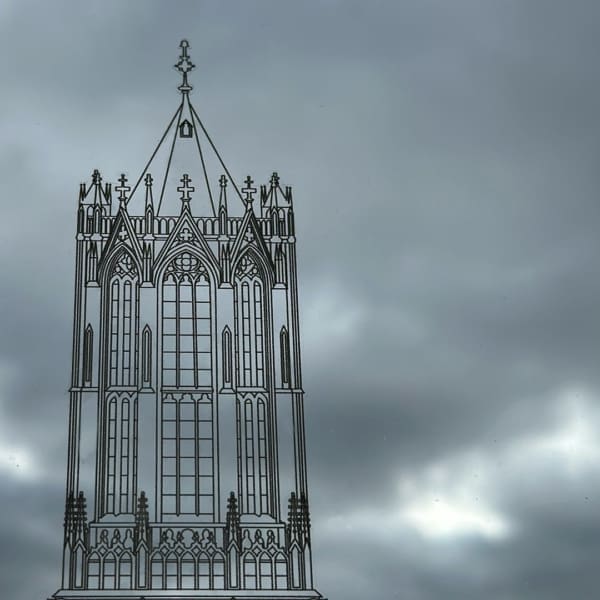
(249, 191)
(185, 188)
(123, 189)
(184, 66)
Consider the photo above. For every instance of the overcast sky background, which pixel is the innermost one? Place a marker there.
(445, 163)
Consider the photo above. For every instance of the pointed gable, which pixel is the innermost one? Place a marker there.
(184, 234)
(122, 235)
(250, 236)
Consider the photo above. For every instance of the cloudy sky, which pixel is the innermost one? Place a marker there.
(444, 158)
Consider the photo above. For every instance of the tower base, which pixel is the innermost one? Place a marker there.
(187, 595)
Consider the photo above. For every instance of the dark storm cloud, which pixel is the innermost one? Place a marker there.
(444, 163)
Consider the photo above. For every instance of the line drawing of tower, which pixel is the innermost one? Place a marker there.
(186, 470)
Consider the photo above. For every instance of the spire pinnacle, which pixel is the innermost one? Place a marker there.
(184, 65)
(223, 194)
(149, 181)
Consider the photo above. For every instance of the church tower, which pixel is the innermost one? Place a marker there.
(186, 473)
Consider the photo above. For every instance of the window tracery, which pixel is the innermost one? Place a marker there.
(187, 455)
(249, 323)
(187, 324)
(123, 321)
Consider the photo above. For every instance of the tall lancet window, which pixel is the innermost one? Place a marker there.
(88, 353)
(186, 324)
(250, 333)
(254, 480)
(121, 454)
(123, 321)
(187, 477)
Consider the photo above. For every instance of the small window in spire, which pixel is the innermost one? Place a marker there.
(185, 129)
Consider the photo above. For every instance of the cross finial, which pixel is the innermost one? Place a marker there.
(123, 189)
(185, 188)
(249, 191)
(96, 177)
(274, 179)
(148, 180)
(184, 65)
(223, 181)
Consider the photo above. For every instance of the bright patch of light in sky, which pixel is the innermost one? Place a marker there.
(16, 462)
(575, 443)
(455, 496)
(459, 495)
(15, 459)
(329, 317)
(451, 498)
(444, 517)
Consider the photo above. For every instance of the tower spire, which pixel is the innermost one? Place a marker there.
(223, 194)
(184, 65)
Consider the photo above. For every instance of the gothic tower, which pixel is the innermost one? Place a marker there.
(186, 473)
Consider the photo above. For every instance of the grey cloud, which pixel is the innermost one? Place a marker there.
(443, 158)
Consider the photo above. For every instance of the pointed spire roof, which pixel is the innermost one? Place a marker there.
(95, 194)
(275, 197)
(184, 147)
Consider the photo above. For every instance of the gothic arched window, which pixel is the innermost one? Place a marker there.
(185, 129)
(281, 219)
(284, 343)
(88, 352)
(281, 571)
(227, 366)
(253, 462)
(188, 576)
(109, 567)
(265, 567)
(187, 455)
(156, 570)
(121, 443)
(263, 473)
(94, 571)
(203, 571)
(124, 456)
(218, 571)
(123, 321)
(147, 357)
(171, 565)
(91, 263)
(125, 571)
(249, 447)
(186, 324)
(112, 454)
(249, 569)
(249, 306)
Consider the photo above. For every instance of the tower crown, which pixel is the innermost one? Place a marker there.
(185, 147)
